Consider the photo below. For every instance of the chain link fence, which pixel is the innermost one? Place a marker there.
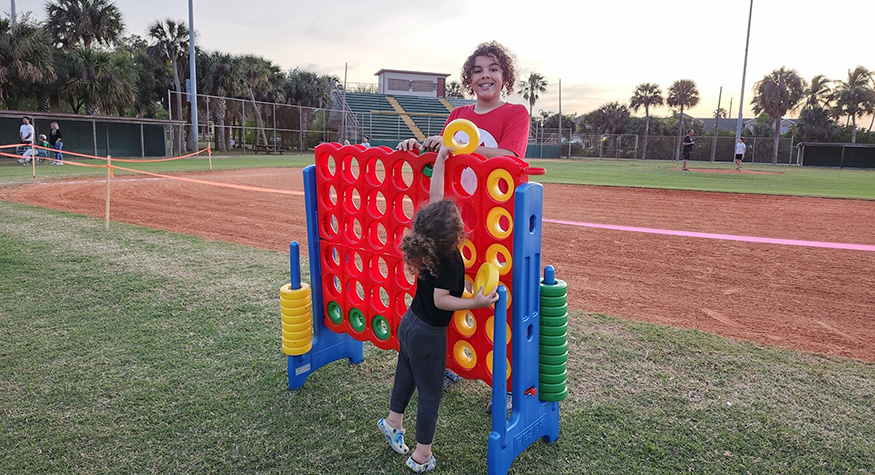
(658, 147)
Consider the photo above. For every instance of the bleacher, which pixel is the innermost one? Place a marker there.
(376, 125)
(379, 120)
(436, 113)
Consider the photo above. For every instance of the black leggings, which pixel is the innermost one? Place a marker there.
(422, 357)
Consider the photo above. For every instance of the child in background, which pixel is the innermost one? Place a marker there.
(431, 250)
(40, 153)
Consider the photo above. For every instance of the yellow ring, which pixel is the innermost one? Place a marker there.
(490, 329)
(492, 256)
(298, 336)
(298, 320)
(287, 292)
(461, 318)
(489, 364)
(492, 185)
(487, 277)
(493, 222)
(466, 126)
(298, 350)
(296, 312)
(297, 326)
(463, 359)
(467, 244)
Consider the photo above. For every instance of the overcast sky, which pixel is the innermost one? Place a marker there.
(599, 50)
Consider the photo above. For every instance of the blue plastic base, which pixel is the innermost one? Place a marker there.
(327, 347)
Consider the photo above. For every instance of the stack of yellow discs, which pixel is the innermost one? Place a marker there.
(297, 319)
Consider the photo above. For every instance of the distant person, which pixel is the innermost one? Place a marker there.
(688, 148)
(56, 142)
(25, 134)
(365, 142)
(740, 148)
(346, 142)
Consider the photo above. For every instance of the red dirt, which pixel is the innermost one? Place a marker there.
(813, 299)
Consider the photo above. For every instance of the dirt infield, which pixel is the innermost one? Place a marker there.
(814, 299)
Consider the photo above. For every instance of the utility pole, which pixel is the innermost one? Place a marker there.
(192, 76)
(743, 74)
(716, 126)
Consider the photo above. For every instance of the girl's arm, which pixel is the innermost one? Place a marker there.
(444, 301)
(436, 190)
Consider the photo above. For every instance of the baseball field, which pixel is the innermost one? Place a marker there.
(723, 322)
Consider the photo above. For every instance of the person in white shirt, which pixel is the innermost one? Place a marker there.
(740, 148)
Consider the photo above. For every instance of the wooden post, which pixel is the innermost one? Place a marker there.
(210, 155)
(33, 156)
(108, 173)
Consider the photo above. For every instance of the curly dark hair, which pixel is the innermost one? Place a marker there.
(501, 55)
(437, 232)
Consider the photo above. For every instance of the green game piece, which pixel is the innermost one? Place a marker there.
(553, 301)
(548, 378)
(553, 340)
(561, 330)
(558, 290)
(335, 314)
(381, 327)
(553, 397)
(553, 360)
(554, 311)
(550, 321)
(357, 320)
(554, 350)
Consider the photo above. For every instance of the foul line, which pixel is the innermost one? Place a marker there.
(724, 237)
(215, 183)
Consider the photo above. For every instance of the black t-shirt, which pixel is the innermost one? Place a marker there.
(55, 135)
(688, 144)
(450, 276)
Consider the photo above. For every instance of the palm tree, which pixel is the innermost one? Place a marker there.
(307, 89)
(170, 46)
(818, 92)
(646, 95)
(682, 93)
(99, 80)
(455, 90)
(259, 78)
(775, 94)
(531, 89)
(72, 21)
(610, 118)
(25, 59)
(855, 97)
(219, 77)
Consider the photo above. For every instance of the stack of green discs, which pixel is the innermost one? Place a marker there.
(553, 355)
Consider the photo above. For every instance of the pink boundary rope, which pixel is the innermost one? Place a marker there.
(725, 237)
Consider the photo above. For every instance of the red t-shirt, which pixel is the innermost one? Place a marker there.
(506, 127)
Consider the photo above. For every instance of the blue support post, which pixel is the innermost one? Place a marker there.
(327, 345)
(531, 419)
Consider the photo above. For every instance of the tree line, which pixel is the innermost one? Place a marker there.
(79, 60)
(828, 109)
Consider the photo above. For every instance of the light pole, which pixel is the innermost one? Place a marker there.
(192, 75)
(743, 73)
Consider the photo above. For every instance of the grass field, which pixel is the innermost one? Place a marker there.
(135, 350)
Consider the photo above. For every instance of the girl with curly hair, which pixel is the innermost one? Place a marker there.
(431, 251)
(504, 127)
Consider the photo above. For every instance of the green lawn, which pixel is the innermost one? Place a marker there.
(141, 351)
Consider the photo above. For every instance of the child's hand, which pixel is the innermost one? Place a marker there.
(481, 300)
(444, 153)
(433, 143)
(409, 145)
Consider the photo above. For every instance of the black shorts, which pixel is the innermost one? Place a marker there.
(739, 156)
